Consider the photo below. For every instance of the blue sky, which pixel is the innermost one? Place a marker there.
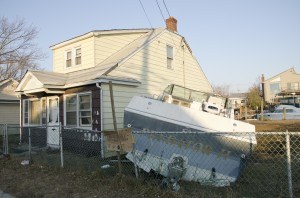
(235, 41)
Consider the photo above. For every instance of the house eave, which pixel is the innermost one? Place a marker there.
(105, 80)
(39, 90)
(73, 40)
(9, 101)
(96, 33)
(56, 89)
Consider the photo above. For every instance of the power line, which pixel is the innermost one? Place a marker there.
(166, 8)
(146, 14)
(160, 11)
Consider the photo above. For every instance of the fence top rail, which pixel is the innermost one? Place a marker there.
(137, 131)
(87, 130)
(278, 133)
(217, 133)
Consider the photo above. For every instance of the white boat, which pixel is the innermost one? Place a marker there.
(189, 134)
(291, 113)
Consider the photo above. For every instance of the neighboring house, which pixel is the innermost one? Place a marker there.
(137, 61)
(9, 102)
(283, 88)
(237, 101)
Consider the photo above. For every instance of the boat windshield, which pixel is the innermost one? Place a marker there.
(185, 93)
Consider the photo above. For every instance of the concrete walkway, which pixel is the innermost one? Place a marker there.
(5, 195)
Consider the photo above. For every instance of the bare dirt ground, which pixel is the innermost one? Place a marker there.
(42, 181)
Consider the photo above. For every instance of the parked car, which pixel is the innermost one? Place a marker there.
(291, 113)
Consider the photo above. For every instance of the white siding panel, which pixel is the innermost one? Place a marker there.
(9, 114)
(106, 45)
(33, 83)
(87, 56)
(122, 96)
(149, 66)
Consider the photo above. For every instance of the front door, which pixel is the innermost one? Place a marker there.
(53, 122)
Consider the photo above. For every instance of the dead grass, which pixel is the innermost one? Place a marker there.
(276, 125)
(38, 180)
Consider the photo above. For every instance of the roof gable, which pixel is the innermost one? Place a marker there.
(276, 78)
(28, 82)
(7, 89)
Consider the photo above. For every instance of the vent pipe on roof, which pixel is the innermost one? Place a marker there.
(171, 24)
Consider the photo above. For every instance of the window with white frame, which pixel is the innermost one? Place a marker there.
(32, 112)
(170, 57)
(274, 88)
(26, 111)
(71, 110)
(78, 109)
(44, 111)
(78, 56)
(69, 59)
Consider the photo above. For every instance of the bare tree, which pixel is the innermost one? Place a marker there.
(18, 52)
(222, 90)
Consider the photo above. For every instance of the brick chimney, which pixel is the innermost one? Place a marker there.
(171, 24)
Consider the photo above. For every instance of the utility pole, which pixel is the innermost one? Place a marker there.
(262, 93)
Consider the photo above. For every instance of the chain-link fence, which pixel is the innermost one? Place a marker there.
(260, 164)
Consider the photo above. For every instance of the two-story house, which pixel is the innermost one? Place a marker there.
(136, 61)
(283, 88)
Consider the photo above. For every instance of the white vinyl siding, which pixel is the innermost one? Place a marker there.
(86, 47)
(107, 45)
(122, 96)
(148, 67)
(10, 113)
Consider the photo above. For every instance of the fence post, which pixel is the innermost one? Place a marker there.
(29, 144)
(61, 146)
(134, 162)
(3, 141)
(6, 143)
(289, 170)
(284, 114)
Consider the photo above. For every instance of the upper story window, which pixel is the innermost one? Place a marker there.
(293, 86)
(274, 88)
(78, 56)
(69, 59)
(73, 57)
(170, 57)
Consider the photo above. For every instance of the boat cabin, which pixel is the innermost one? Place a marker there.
(186, 97)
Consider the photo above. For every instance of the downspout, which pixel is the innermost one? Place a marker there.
(101, 119)
(101, 109)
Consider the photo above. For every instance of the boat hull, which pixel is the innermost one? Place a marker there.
(163, 131)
